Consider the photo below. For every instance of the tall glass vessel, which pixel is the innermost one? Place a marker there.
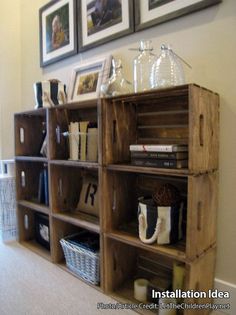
(116, 84)
(142, 66)
(167, 70)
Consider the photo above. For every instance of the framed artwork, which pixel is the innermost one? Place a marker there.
(86, 79)
(58, 31)
(152, 12)
(101, 21)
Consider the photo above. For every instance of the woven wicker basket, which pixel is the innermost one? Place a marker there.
(82, 261)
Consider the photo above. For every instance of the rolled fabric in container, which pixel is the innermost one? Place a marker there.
(140, 289)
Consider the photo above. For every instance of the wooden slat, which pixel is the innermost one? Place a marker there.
(174, 132)
(79, 105)
(148, 170)
(162, 140)
(200, 277)
(167, 105)
(33, 112)
(202, 209)
(34, 206)
(161, 118)
(176, 252)
(80, 164)
(176, 91)
(31, 159)
(203, 130)
(82, 220)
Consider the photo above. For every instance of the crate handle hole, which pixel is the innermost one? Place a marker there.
(201, 130)
(58, 134)
(199, 216)
(26, 221)
(114, 132)
(60, 187)
(114, 200)
(22, 135)
(23, 182)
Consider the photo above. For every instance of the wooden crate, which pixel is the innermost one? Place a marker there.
(27, 180)
(199, 194)
(29, 134)
(186, 114)
(61, 229)
(58, 122)
(120, 273)
(26, 223)
(66, 184)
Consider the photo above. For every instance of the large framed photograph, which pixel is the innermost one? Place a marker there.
(86, 79)
(58, 31)
(101, 21)
(152, 12)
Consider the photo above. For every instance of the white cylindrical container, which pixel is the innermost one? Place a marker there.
(140, 289)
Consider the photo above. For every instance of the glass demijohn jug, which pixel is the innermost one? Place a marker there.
(116, 84)
(167, 70)
(142, 66)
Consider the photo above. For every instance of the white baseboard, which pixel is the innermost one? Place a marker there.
(221, 285)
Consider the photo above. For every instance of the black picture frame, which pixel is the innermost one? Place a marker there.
(103, 33)
(143, 18)
(63, 43)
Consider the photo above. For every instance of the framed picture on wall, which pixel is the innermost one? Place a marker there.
(152, 12)
(58, 31)
(101, 21)
(86, 79)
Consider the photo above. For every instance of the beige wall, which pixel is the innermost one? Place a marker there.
(10, 74)
(207, 41)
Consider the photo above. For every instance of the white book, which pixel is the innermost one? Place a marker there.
(74, 140)
(92, 145)
(158, 147)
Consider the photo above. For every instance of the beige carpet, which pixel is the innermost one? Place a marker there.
(30, 285)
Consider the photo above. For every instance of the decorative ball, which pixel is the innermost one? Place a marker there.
(167, 195)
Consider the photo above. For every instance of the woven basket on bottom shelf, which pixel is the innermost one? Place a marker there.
(82, 261)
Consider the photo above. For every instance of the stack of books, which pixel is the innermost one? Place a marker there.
(161, 156)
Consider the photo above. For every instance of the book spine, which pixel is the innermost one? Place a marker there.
(83, 126)
(41, 192)
(46, 193)
(157, 155)
(157, 163)
(155, 148)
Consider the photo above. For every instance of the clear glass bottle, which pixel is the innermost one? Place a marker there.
(116, 84)
(167, 70)
(142, 66)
